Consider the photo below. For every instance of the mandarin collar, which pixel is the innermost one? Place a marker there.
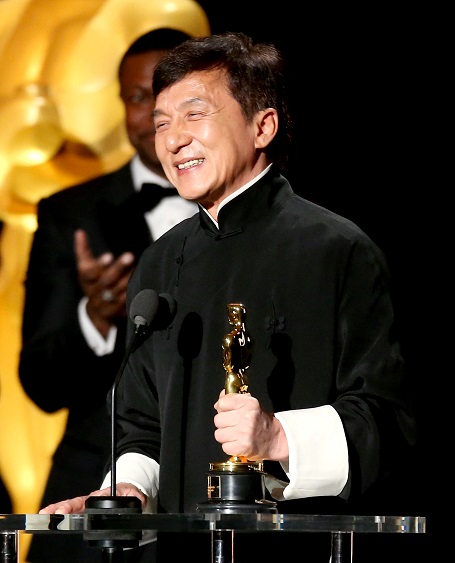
(247, 207)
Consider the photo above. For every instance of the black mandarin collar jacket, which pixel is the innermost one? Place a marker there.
(316, 292)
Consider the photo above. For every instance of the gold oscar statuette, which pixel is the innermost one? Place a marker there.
(237, 485)
(237, 351)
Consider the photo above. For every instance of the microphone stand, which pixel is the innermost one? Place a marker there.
(112, 547)
(144, 308)
(139, 331)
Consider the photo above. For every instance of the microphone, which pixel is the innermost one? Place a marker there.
(148, 311)
(161, 309)
(144, 307)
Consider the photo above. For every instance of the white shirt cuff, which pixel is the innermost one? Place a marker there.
(99, 345)
(143, 472)
(318, 454)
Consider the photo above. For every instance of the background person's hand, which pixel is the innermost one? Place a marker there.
(104, 281)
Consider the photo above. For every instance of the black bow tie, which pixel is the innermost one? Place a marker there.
(150, 195)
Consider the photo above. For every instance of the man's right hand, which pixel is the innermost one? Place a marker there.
(104, 281)
(77, 505)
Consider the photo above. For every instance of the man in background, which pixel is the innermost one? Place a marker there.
(83, 252)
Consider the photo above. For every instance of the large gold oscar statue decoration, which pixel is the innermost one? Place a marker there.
(238, 484)
(61, 123)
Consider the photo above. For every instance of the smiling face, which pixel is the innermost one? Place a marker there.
(207, 148)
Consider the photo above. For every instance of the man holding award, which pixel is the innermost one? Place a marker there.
(325, 408)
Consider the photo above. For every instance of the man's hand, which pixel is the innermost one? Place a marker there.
(104, 281)
(244, 428)
(77, 505)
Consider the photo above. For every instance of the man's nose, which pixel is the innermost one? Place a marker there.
(177, 136)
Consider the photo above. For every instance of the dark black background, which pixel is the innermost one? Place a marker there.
(359, 93)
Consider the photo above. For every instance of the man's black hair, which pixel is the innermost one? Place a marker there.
(162, 38)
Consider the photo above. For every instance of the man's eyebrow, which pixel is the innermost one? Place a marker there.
(157, 112)
(186, 103)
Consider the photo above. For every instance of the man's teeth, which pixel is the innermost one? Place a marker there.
(190, 163)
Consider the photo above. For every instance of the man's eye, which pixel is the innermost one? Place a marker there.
(140, 98)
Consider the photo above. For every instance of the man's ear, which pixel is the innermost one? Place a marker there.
(267, 125)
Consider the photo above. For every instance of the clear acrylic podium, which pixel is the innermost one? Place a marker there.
(220, 526)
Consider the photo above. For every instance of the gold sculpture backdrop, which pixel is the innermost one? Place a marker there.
(61, 122)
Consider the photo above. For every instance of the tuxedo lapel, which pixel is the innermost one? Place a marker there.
(124, 228)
